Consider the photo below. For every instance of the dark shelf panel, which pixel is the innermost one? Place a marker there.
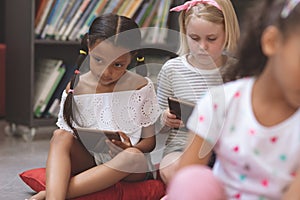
(56, 42)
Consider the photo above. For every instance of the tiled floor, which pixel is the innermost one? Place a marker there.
(16, 156)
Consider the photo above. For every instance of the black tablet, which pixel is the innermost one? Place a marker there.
(181, 108)
(95, 140)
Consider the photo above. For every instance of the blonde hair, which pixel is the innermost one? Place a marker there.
(208, 12)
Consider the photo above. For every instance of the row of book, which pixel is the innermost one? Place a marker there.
(70, 19)
(51, 77)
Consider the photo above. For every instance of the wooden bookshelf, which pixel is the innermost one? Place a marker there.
(23, 49)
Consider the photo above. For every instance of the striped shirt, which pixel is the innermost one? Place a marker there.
(180, 79)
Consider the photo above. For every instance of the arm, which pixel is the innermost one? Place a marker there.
(148, 141)
(198, 151)
(293, 193)
(146, 144)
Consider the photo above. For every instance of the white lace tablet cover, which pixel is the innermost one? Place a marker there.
(126, 111)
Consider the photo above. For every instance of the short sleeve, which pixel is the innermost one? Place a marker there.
(146, 103)
(164, 86)
(61, 123)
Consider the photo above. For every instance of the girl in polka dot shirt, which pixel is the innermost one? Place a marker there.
(253, 123)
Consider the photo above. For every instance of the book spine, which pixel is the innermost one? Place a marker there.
(58, 14)
(45, 73)
(67, 10)
(111, 6)
(50, 18)
(77, 16)
(135, 6)
(61, 72)
(41, 8)
(91, 16)
(68, 19)
(54, 108)
(81, 21)
(42, 21)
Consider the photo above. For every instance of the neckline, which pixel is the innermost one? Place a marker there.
(115, 92)
(249, 109)
(195, 69)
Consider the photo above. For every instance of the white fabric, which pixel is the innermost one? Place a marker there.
(126, 111)
(254, 161)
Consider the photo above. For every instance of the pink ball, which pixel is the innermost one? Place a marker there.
(195, 182)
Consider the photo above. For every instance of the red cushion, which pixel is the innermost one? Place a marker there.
(149, 189)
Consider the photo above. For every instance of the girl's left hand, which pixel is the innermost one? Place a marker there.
(126, 143)
(117, 146)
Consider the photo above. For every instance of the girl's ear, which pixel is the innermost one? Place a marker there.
(269, 40)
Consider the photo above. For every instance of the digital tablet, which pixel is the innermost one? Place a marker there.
(181, 108)
(95, 140)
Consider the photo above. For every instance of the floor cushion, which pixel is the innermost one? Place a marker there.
(144, 190)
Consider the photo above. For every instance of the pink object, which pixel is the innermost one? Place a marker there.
(70, 91)
(193, 183)
(189, 4)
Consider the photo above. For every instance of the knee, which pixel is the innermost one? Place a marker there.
(130, 160)
(61, 137)
(133, 155)
(195, 182)
(168, 165)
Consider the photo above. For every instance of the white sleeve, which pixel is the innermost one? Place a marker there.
(61, 123)
(148, 108)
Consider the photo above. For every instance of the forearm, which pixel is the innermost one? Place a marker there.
(293, 192)
(198, 151)
(146, 145)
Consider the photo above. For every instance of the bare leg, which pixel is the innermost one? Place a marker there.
(129, 165)
(39, 196)
(66, 156)
(168, 166)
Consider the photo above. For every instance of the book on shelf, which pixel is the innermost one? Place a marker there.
(48, 73)
(164, 22)
(139, 17)
(68, 19)
(71, 19)
(151, 11)
(58, 15)
(113, 6)
(68, 8)
(41, 22)
(95, 13)
(54, 109)
(75, 18)
(157, 34)
(58, 91)
(51, 18)
(39, 12)
(82, 19)
(133, 8)
(121, 9)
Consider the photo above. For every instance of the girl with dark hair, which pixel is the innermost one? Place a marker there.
(103, 95)
(252, 123)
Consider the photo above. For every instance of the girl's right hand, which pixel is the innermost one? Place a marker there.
(170, 120)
